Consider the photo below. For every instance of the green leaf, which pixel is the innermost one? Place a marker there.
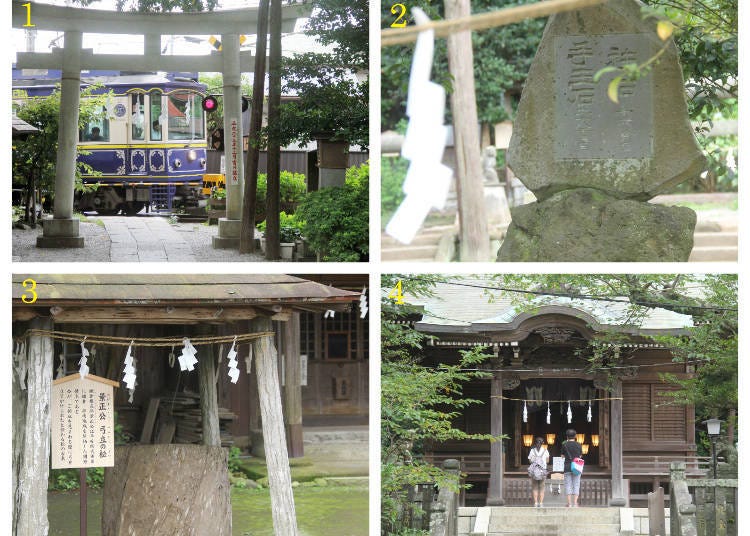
(612, 89)
(603, 71)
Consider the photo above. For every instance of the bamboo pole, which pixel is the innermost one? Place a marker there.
(483, 21)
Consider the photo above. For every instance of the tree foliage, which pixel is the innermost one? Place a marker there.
(418, 405)
(35, 157)
(332, 101)
(502, 57)
(159, 6)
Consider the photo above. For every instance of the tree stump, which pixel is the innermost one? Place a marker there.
(163, 490)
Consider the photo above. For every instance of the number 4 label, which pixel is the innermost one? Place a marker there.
(397, 294)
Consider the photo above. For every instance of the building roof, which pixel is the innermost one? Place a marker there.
(22, 128)
(463, 309)
(178, 290)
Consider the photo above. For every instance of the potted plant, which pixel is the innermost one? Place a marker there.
(289, 232)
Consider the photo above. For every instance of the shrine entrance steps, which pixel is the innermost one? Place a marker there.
(547, 521)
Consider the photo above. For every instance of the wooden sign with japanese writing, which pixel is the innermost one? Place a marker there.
(83, 422)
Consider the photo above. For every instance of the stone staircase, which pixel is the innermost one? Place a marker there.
(548, 521)
(715, 242)
(424, 247)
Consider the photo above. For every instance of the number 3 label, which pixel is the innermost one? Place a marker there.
(33, 297)
(399, 9)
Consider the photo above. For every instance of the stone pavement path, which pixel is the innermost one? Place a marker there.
(132, 239)
(145, 239)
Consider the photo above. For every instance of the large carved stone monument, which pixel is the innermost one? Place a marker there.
(592, 163)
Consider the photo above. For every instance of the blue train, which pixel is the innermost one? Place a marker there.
(148, 145)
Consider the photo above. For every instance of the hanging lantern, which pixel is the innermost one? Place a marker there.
(585, 449)
(588, 414)
(570, 414)
(580, 438)
(550, 439)
(525, 414)
(528, 439)
(595, 440)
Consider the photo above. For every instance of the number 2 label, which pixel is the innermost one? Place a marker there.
(399, 9)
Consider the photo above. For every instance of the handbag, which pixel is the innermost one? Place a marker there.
(576, 466)
(537, 472)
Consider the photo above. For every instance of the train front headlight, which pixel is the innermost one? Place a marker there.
(192, 155)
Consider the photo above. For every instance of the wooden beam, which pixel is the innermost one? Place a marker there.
(25, 314)
(120, 314)
(274, 438)
(495, 488)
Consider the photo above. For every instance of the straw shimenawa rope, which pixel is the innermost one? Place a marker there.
(571, 400)
(483, 21)
(158, 341)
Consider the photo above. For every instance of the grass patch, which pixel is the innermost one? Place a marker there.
(85, 219)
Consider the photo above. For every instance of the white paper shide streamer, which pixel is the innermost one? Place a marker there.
(83, 369)
(427, 181)
(588, 414)
(549, 415)
(363, 303)
(234, 372)
(129, 374)
(525, 412)
(570, 414)
(187, 358)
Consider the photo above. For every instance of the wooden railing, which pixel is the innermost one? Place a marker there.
(593, 491)
(656, 465)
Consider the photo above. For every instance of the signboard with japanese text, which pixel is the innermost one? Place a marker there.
(82, 422)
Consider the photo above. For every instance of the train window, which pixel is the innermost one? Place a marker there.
(157, 122)
(185, 116)
(138, 118)
(96, 129)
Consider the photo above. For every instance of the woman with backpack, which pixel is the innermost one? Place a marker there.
(538, 459)
(571, 450)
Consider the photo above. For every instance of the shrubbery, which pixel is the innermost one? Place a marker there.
(336, 220)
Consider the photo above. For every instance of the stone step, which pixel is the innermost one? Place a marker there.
(714, 254)
(422, 239)
(408, 253)
(715, 239)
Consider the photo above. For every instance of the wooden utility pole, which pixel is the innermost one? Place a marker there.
(247, 231)
(273, 248)
(474, 235)
(274, 438)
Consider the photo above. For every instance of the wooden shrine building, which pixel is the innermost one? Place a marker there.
(152, 308)
(539, 360)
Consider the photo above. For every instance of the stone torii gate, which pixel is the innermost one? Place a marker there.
(62, 229)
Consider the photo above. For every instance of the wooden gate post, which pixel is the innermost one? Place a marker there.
(292, 387)
(32, 472)
(274, 438)
(475, 240)
(208, 395)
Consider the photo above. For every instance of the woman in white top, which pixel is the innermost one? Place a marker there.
(539, 455)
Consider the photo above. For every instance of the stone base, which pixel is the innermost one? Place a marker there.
(229, 234)
(585, 225)
(257, 445)
(328, 177)
(60, 233)
(617, 501)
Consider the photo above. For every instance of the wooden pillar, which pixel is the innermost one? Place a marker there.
(618, 495)
(293, 388)
(31, 453)
(277, 461)
(209, 396)
(475, 243)
(495, 488)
